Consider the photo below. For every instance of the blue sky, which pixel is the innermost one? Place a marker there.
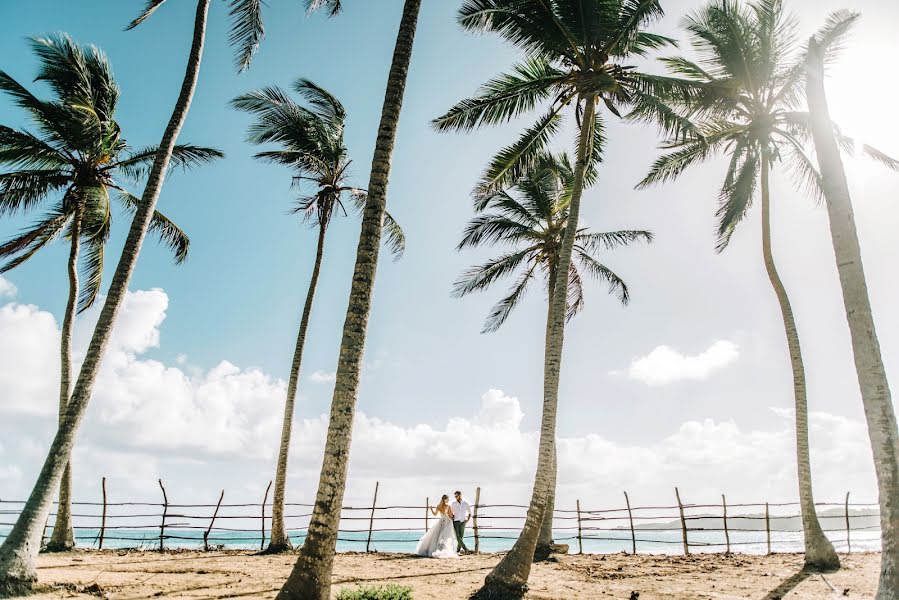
(239, 295)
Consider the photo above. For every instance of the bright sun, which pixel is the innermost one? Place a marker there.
(862, 96)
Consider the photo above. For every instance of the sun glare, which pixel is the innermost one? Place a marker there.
(862, 97)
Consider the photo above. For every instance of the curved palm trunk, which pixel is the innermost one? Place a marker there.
(509, 578)
(311, 575)
(872, 379)
(280, 541)
(18, 553)
(819, 552)
(63, 538)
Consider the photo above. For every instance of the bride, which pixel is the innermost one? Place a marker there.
(440, 540)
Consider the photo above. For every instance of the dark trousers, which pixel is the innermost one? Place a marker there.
(459, 526)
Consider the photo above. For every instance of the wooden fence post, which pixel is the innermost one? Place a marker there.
(580, 536)
(264, 500)
(212, 522)
(848, 530)
(427, 512)
(103, 515)
(165, 509)
(630, 517)
(768, 527)
(371, 521)
(477, 538)
(726, 532)
(683, 522)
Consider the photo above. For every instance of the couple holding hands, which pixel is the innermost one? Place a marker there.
(444, 538)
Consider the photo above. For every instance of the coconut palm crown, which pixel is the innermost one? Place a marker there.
(76, 160)
(530, 220)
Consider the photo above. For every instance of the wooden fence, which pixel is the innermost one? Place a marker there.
(194, 525)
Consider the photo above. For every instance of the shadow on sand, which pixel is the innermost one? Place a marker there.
(787, 585)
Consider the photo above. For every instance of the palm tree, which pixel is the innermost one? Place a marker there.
(312, 145)
(531, 227)
(872, 379)
(18, 554)
(311, 575)
(75, 158)
(743, 98)
(576, 53)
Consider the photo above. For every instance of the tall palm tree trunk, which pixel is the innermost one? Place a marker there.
(280, 541)
(18, 554)
(63, 538)
(545, 539)
(819, 552)
(311, 575)
(872, 379)
(509, 578)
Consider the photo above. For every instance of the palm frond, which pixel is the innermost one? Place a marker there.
(505, 97)
(502, 309)
(333, 7)
(138, 163)
(33, 239)
(609, 240)
(395, 237)
(20, 191)
(737, 192)
(169, 234)
(482, 276)
(599, 271)
(247, 30)
(880, 157)
(148, 10)
(513, 162)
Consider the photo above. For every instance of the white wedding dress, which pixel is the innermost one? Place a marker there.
(439, 541)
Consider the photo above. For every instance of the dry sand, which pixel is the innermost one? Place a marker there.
(132, 575)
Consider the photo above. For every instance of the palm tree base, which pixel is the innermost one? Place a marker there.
(14, 587)
(60, 546)
(496, 589)
(545, 551)
(278, 548)
(823, 560)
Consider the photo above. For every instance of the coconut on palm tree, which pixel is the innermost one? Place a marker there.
(577, 55)
(872, 379)
(744, 98)
(18, 553)
(75, 161)
(529, 222)
(310, 142)
(311, 575)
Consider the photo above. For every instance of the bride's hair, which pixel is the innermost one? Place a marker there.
(443, 499)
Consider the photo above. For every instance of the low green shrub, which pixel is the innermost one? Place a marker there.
(380, 592)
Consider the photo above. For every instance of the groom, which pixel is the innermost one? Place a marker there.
(461, 513)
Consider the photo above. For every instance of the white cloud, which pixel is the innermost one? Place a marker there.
(204, 430)
(7, 289)
(323, 377)
(666, 365)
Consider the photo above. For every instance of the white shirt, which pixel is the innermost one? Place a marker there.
(461, 510)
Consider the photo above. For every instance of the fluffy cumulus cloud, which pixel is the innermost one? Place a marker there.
(666, 365)
(323, 377)
(7, 289)
(204, 430)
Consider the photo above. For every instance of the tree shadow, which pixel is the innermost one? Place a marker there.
(787, 585)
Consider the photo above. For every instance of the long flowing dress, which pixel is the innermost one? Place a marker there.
(440, 540)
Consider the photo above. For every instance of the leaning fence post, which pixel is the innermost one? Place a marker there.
(165, 509)
(768, 527)
(580, 535)
(630, 517)
(726, 532)
(477, 503)
(848, 534)
(683, 522)
(427, 510)
(371, 520)
(264, 500)
(212, 522)
(103, 516)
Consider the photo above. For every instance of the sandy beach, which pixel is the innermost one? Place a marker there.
(124, 575)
